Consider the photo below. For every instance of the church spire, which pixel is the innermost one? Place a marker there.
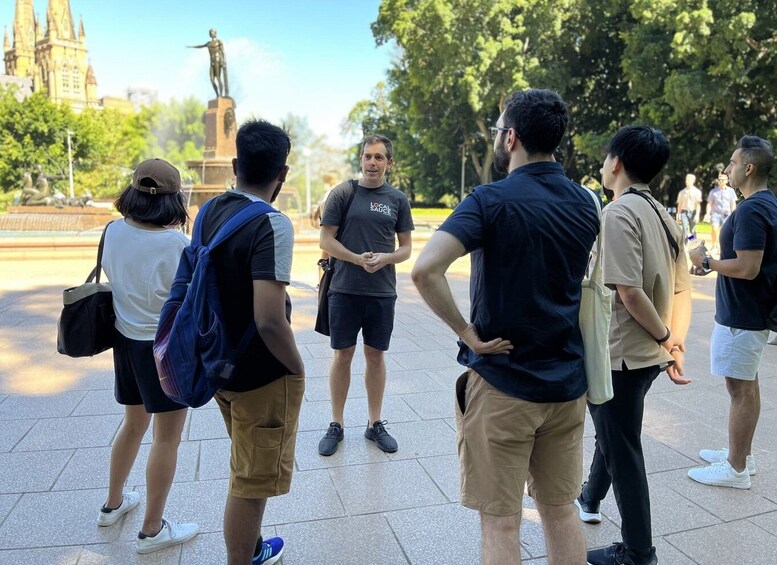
(81, 32)
(59, 20)
(6, 41)
(24, 26)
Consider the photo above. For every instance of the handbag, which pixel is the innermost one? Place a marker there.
(86, 326)
(595, 314)
(328, 266)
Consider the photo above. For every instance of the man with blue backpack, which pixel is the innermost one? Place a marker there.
(261, 399)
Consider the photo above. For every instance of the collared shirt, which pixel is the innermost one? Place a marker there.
(636, 252)
(689, 198)
(721, 200)
(530, 236)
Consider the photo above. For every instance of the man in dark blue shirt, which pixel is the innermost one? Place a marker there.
(744, 296)
(521, 404)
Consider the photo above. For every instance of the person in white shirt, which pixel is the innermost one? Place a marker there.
(722, 201)
(689, 206)
(141, 257)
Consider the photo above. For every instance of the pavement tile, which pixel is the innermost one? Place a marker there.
(425, 359)
(667, 553)
(125, 554)
(355, 449)
(369, 540)
(312, 497)
(7, 502)
(409, 382)
(767, 521)
(444, 471)
(688, 438)
(659, 457)
(207, 424)
(317, 415)
(76, 526)
(53, 406)
(422, 439)
(418, 343)
(22, 472)
(70, 433)
(660, 412)
(214, 459)
(381, 487)
(97, 402)
(89, 467)
(724, 544)
(55, 555)
(12, 431)
(432, 405)
(317, 388)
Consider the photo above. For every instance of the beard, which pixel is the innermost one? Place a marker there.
(501, 159)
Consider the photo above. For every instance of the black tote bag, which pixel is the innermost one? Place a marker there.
(86, 325)
(322, 317)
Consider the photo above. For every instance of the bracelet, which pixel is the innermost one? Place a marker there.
(666, 337)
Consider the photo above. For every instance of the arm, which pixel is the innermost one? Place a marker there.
(196, 46)
(328, 243)
(429, 277)
(400, 254)
(271, 323)
(746, 265)
(681, 320)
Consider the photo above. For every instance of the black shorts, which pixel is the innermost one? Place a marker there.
(349, 313)
(137, 381)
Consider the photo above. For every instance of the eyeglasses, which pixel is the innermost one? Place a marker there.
(495, 131)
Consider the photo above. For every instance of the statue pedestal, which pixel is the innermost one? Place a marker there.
(49, 218)
(215, 169)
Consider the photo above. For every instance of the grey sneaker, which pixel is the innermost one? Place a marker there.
(377, 433)
(109, 516)
(328, 444)
(172, 533)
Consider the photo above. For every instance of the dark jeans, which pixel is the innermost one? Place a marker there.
(618, 460)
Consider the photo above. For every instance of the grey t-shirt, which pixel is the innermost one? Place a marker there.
(375, 217)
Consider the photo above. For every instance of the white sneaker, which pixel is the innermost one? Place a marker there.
(720, 455)
(172, 533)
(108, 517)
(720, 475)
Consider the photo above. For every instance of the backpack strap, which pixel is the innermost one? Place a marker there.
(672, 242)
(197, 233)
(238, 220)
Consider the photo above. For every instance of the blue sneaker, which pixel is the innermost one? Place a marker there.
(272, 550)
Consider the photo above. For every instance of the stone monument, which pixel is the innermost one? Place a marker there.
(215, 169)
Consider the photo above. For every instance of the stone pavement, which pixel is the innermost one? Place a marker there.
(361, 506)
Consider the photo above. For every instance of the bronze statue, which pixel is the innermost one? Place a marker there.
(38, 195)
(218, 64)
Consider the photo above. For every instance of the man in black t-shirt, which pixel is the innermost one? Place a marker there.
(363, 291)
(521, 405)
(261, 404)
(744, 296)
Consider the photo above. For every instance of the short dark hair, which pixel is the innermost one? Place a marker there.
(157, 209)
(643, 151)
(539, 118)
(758, 152)
(378, 138)
(262, 150)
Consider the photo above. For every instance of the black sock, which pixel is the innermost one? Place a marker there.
(258, 548)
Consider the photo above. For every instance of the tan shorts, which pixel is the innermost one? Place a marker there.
(503, 441)
(262, 424)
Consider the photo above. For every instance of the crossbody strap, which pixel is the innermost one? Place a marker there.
(596, 273)
(670, 239)
(341, 228)
(95, 274)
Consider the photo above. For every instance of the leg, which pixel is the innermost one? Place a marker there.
(242, 524)
(375, 381)
(599, 480)
(340, 381)
(566, 545)
(501, 538)
(125, 450)
(160, 468)
(742, 419)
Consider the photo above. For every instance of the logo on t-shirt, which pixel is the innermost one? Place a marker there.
(382, 208)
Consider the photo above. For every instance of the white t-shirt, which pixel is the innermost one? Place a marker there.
(689, 198)
(141, 265)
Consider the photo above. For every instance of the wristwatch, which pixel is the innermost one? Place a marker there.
(705, 264)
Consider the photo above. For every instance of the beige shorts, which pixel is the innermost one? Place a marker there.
(503, 441)
(262, 424)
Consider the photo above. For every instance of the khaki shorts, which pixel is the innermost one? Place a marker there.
(503, 441)
(262, 424)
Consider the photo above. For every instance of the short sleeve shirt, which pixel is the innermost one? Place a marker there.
(375, 217)
(636, 252)
(261, 250)
(689, 198)
(530, 236)
(740, 303)
(721, 200)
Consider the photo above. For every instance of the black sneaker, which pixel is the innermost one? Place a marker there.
(377, 433)
(328, 444)
(588, 509)
(615, 554)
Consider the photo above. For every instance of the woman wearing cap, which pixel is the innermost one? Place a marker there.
(140, 258)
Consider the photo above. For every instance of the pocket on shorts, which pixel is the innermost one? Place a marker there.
(266, 453)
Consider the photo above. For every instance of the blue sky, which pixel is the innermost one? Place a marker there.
(313, 58)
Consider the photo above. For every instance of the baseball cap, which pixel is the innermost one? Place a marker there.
(156, 176)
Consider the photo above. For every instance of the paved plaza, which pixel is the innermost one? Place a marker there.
(361, 506)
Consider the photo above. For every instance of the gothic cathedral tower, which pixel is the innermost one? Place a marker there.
(56, 60)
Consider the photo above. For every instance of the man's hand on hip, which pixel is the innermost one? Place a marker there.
(496, 346)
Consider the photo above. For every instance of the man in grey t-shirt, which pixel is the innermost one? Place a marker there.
(363, 292)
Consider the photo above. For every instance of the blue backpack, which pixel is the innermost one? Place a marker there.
(193, 355)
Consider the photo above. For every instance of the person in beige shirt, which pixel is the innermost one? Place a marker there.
(644, 262)
(689, 206)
